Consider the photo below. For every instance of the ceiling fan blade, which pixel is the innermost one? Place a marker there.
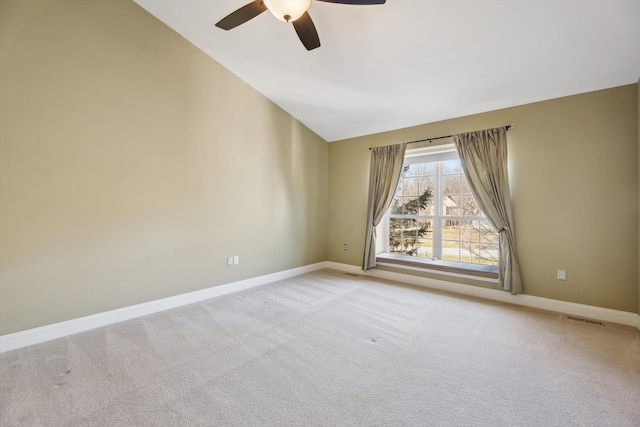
(307, 31)
(242, 15)
(361, 2)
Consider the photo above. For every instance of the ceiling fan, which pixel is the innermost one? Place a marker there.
(294, 11)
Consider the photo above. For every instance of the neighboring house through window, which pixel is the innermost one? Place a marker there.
(434, 215)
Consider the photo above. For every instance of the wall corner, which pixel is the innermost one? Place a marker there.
(638, 272)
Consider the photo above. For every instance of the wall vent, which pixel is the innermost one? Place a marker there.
(352, 274)
(580, 319)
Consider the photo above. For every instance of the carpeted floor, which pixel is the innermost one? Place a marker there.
(329, 349)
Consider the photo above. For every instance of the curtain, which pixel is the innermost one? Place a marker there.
(384, 174)
(483, 155)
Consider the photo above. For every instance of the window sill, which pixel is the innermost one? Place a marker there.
(439, 266)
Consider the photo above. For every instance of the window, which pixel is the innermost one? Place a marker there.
(434, 215)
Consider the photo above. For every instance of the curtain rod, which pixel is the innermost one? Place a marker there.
(507, 127)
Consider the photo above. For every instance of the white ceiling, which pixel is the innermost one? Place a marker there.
(410, 62)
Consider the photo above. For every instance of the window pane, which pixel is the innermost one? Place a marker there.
(426, 228)
(400, 188)
(395, 234)
(428, 208)
(450, 254)
(406, 225)
(465, 255)
(403, 202)
(410, 237)
(425, 238)
(451, 184)
(450, 240)
(470, 241)
(396, 206)
(402, 235)
(452, 166)
(427, 169)
(395, 226)
(470, 206)
(472, 247)
(410, 246)
(410, 228)
(465, 189)
(451, 205)
(489, 255)
(427, 183)
(469, 232)
(426, 202)
(410, 170)
(450, 230)
(411, 186)
(406, 205)
(487, 233)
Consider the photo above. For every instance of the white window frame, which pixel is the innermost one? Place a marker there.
(436, 154)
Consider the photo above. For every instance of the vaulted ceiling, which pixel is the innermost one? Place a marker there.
(410, 62)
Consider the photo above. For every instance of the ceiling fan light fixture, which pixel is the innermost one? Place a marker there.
(287, 10)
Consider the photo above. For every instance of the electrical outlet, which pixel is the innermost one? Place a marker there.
(562, 274)
(345, 246)
(236, 259)
(229, 260)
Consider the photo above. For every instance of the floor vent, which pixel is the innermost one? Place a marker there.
(580, 319)
(352, 274)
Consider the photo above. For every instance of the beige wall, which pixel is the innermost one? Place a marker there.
(132, 165)
(638, 107)
(574, 180)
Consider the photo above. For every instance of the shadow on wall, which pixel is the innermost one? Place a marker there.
(300, 190)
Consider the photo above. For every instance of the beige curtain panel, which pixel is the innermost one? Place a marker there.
(483, 155)
(384, 174)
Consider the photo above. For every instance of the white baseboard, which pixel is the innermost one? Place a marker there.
(582, 310)
(58, 330)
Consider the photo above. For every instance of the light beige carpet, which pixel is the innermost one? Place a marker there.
(328, 349)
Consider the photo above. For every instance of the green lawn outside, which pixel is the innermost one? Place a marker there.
(463, 244)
